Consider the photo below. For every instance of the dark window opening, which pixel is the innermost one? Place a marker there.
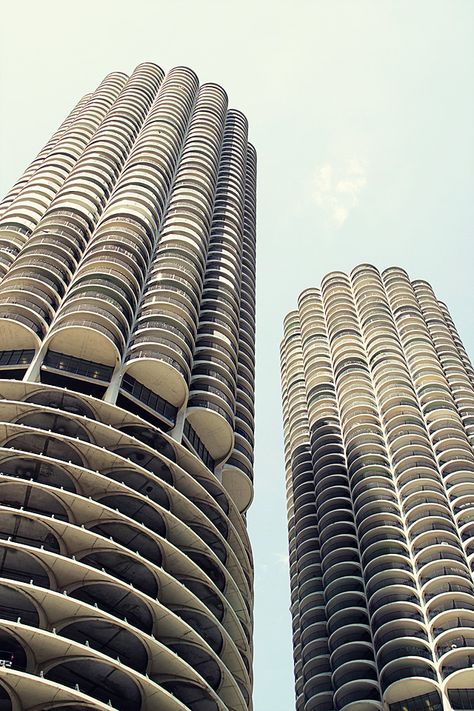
(9, 359)
(149, 399)
(12, 374)
(72, 383)
(461, 698)
(197, 446)
(425, 702)
(78, 366)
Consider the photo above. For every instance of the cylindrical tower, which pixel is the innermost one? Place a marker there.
(126, 576)
(377, 405)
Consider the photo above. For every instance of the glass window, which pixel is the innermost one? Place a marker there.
(425, 702)
(20, 357)
(461, 698)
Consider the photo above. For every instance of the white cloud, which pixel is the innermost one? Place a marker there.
(283, 559)
(336, 189)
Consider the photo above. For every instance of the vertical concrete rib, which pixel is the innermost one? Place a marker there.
(389, 403)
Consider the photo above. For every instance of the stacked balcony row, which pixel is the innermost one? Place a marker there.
(32, 169)
(57, 243)
(25, 211)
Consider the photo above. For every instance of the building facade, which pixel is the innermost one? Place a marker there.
(378, 402)
(127, 322)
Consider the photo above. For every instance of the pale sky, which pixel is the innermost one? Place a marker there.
(362, 114)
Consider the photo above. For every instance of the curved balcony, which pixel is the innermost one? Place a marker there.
(19, 331)
(457, 660)
(430, 549)
(405, 630)
(401, 591)
(379, 549)
(423, 496)
(160, 367)
(439, 568)
(354, 613)
(342, 561)
(395, 606)
(359, 695)
(446, 608)
(211, 421)
(414, 693)
(238, 485)
(384, 579)
(320, 684)
(34, 690)
(406, 668)
(400, 648)
(345, 642)
(446, 584)
(452, 640)
(85, 336)
(375, 500)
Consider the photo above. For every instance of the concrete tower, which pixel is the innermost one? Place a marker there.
(127, 320)
(378, 401)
